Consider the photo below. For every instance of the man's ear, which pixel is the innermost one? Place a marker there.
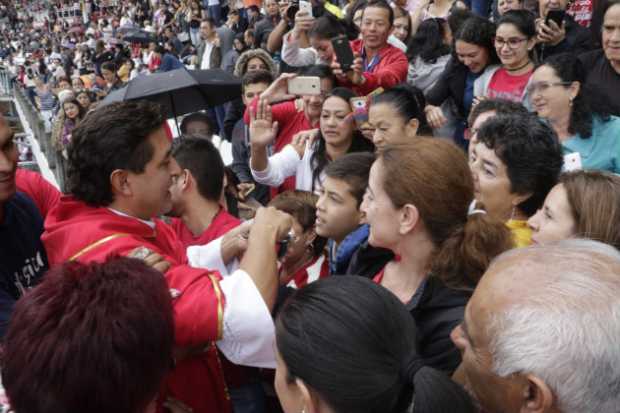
(537, 396)
(121, 182)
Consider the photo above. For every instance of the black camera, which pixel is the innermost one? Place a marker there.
(292, 10)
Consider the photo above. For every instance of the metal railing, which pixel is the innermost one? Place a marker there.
(41, 134)
(6, 87)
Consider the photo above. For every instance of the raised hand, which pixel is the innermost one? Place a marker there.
(263, 130)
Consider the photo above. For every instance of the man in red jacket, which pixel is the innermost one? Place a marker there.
(377, 63)
(119, 180)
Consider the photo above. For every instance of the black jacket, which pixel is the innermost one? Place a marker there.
(367, 260)
(451, 83)
(578, 40)
(437, 310)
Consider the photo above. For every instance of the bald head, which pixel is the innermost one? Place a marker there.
(554, 312)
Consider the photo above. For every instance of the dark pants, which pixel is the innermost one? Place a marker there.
(248, 399)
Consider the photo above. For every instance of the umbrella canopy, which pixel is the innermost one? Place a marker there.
(181, 91)
(139, 36)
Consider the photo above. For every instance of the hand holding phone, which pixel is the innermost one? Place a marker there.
(556, 16)
(343, 52)
(304, 85)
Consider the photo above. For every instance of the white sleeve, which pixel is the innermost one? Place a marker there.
(248, 330)
(209, 256)
(279, 167)
(295, 56)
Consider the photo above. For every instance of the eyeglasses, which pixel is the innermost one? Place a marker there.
(512, 43)
(542, 87)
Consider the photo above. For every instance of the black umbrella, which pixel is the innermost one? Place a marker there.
(181, 91)
(139, 36)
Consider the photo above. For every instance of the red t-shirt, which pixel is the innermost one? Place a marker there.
(503, 85)
(221, 224)
(44, 194)
(290, 122)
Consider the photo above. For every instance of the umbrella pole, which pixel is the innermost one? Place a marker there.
(174, 113)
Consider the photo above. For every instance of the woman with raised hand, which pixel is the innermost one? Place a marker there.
(345, 344)
(305, 159)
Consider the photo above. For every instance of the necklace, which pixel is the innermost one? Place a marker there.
(519, 68)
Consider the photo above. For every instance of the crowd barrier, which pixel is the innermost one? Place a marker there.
(40, 133)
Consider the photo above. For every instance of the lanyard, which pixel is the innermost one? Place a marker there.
(369, 66)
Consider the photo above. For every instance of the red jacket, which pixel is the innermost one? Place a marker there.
(388, 72)
(75, 231)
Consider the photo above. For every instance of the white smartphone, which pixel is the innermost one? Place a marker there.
(306, 7)
(304, 85)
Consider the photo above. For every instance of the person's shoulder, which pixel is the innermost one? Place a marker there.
(591, 58)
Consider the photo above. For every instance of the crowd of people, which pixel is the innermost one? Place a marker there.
(430, 225)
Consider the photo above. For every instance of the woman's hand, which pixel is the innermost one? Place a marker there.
(263, 130)
(301, 139)
(435, 116)
(550, 34)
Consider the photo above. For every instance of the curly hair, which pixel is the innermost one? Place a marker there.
(84, 320)
(531, 151)
(109, 138)
(588, 103)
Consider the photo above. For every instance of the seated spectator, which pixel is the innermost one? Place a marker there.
(397, 115)
(85, 98)
(73, 113)
(133, 341)
(319, 32)
(112, 81)
(486, 109)
(201, 125)
(603, 66)
(306, 160)
(252, 85)
(197, 174)
(584, 204)
(304, 261)
(569, 37)
(515, 164)
(377, 63)
(417, 206)
(168, 60)
(515, 38)
(340, 220)
(402, 24)
(540, 332)
(253, 60)
(348, 345)
(506, 5)
(474, 53)
(580, 116)
(428, 53)
(290, 120)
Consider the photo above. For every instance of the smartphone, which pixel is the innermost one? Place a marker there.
(292, 10)
(556, 15)
(305, 6)
(343, 52)
(304, 85)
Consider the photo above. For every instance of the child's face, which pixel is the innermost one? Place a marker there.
(337, 211)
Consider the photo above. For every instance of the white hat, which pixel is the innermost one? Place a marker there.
(65, 95)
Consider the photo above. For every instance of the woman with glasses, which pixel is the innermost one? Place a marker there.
(515, 39)
(582, 119)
